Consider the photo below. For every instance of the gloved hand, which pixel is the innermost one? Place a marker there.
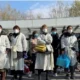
(8, 50)
(63, 51)
(24, 54)
(73, 48)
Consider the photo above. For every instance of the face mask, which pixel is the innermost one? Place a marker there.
(70, 31)
(45, 30)
(36, 35)
(16, 31)
(0, 30)
(54, 32)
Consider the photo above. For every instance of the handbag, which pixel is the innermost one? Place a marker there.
(63, 61)
(40, 48)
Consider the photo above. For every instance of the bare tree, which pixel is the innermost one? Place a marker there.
(59, 10)
(39, 16)
(8, 13)
(29, 14)
(75, 9)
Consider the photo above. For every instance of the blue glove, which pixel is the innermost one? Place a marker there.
(25, 55)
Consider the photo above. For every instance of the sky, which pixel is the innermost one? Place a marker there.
(37, 6)
(27, 5)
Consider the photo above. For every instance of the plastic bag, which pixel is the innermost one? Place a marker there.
(63, 61)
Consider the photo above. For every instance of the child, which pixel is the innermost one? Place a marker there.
(27, 63)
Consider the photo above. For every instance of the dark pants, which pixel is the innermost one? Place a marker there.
(78, 58)
(16, 73)
(72, 70)
(55, 60)
(32, 66)
(39, 74)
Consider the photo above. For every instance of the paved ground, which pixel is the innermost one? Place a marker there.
(61, 76)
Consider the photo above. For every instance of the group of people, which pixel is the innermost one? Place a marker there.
(14, 54)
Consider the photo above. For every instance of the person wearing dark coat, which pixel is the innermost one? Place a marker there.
(78, 57)
(79, 49)
(55, 44)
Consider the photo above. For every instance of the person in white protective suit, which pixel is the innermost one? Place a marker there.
(69, 45)
(4, 50)
(44, 61)
(18, 50)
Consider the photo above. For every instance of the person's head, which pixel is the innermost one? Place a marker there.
(53, 31)
(16, 29)
(0, 28)
(69, 29)
(35, 34)
(44, 28)
(64, 30)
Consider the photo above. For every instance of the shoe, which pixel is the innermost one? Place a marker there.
(20, 79)
(29, 74)
(67, 76)
(72, 77)
(13, 78)
(39, 77)
(47, 78)
(55, 74)
(60, 70)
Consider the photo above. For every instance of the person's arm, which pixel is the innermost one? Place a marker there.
(63, 44)
(24, 43)
(41, 41)
(58, 42)
(76, 44)
(7, 44)
(49, 39)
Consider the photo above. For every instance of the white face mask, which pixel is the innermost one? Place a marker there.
(45, 30)
(70, 31)
(16, 31)
(0, 30)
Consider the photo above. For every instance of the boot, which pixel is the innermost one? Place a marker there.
(20, 77)
(39, 77)
(14, 77)
(72, 69)
(14, 73)
(47, 75)
(20, 74)
(39, 74)
(67, 76)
